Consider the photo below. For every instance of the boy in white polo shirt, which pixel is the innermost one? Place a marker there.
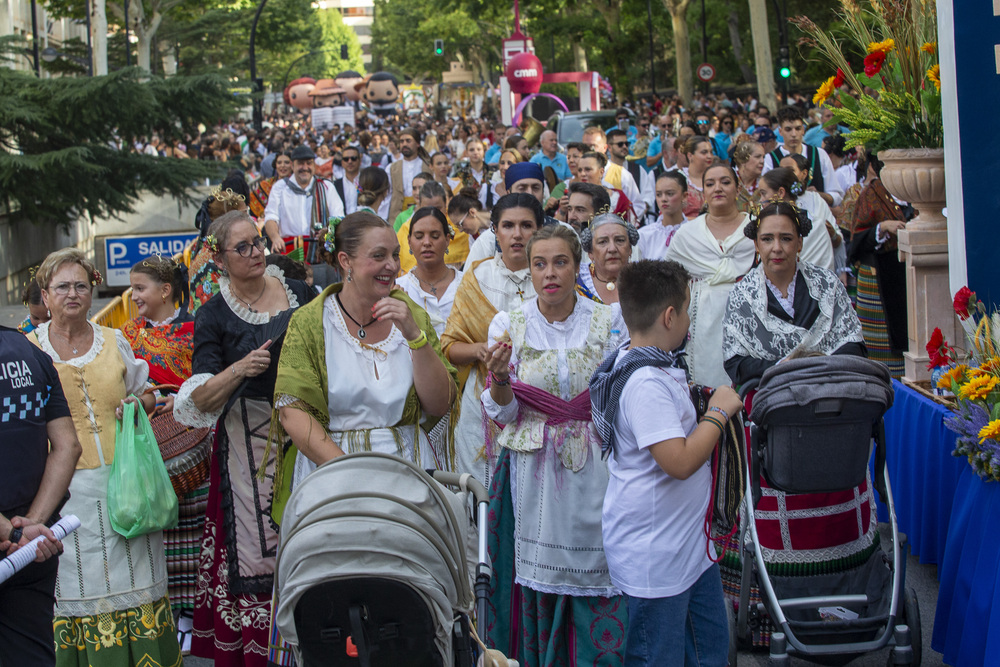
(660, 486)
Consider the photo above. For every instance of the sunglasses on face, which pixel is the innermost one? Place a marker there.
(703, 122)
(619, 143)
(351, 158)
(245, 249)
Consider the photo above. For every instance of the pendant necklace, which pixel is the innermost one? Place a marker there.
(432, 285)
(250, 303)
(517, 287)
(608, 285)
(361, 329)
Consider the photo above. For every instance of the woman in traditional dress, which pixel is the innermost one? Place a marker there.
(748, 161)
(608, 241)
(553, 596)
(203, 272)
(700, 156)
(500, 282)
(362, 369)
(715, 252)
(163, 335)
(260, 189)
(431, 284)
(111, 593)
(782, 184)
(671, 192)
(238, 335)
(472, 171)
(878, 217)
(784, 307)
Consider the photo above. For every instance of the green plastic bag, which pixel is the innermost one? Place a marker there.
(141, 499)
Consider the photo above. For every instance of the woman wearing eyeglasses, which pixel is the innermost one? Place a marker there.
(95, 602)
(238, 336)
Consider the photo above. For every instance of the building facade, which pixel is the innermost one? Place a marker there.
(358, 15)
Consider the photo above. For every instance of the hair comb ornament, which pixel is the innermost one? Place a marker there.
(96, 278)
(230, 199)
(212, 243)
(330, 240)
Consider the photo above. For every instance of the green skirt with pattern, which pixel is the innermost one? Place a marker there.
(142, 636)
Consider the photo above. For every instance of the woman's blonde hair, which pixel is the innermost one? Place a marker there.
(57, 259)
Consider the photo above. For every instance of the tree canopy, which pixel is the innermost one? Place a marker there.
(58, 140)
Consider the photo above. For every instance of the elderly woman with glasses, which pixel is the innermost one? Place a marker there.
(99, 608)
(608, 242)
(238, 335)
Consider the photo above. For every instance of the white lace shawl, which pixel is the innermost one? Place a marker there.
(751, 331)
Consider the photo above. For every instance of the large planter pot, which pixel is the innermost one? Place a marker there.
(916, 175)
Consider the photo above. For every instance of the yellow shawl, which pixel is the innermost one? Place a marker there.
(469, 321)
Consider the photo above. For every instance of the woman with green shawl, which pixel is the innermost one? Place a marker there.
(361, 369)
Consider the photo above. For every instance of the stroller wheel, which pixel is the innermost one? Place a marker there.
(911, 616)
(733, 640)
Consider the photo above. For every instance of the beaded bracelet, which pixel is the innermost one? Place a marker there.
(497, 381)
(722, 412)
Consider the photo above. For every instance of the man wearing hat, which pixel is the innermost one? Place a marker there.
(300, 205)
(525, 177)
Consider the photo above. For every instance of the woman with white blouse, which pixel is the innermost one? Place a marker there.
(431, 283)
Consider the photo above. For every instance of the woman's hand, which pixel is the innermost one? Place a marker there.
(396, 312)
(255, 363)
(120, 410)
(164, 405)
(891, 227)
(498, 360)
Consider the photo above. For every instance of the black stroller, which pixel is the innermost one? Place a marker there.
(813, 421)
(374, 567)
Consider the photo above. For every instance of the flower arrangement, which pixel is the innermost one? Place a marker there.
(939, 352)
(976, 386)
(895, 102)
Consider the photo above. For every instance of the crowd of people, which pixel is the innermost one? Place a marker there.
(439, 293)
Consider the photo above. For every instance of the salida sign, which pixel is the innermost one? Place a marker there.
(524, 73)
(123, 252)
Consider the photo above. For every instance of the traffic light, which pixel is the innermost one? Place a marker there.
(439, 47)
(784, 64)
(343, 51)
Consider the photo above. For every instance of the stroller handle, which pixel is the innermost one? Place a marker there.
(748, 386)
(463, 481)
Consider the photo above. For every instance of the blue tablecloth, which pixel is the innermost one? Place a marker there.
(922, 471)
(967, 623)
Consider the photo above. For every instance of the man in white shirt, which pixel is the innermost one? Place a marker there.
(791, 120)
(300, 205)
(347, 184)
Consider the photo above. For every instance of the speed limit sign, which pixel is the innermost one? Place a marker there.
(706, 72)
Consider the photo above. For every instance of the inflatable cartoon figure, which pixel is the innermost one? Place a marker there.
(327, 94)
(347, 80)
(380, 92)
(297, 93)
(329, 108)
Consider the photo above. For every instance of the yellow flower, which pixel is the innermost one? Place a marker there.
(824, 91)
(957, 374)
(934, 74)
(978, 387)
(929, 48)
(990, 432)
(884, 46)
(988, 367)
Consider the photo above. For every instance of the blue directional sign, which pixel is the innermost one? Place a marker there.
(123, 252)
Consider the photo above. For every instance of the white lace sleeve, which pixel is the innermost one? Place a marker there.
(502, 414)
(185, 411)
(136, 370)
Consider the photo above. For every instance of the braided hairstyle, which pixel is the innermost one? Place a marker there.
(167, 272)
(800, 219)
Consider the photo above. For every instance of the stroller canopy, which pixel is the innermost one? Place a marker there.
(375, 515)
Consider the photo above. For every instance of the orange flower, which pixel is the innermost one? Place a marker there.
(989, 367)
(978, 387)
(934, 74)
(825, 90)
(884, 46)
(929, 48)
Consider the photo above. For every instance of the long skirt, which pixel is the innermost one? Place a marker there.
(142, 636)
(874, 329)
(183, 545)
(544, 629)
(232, 616)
